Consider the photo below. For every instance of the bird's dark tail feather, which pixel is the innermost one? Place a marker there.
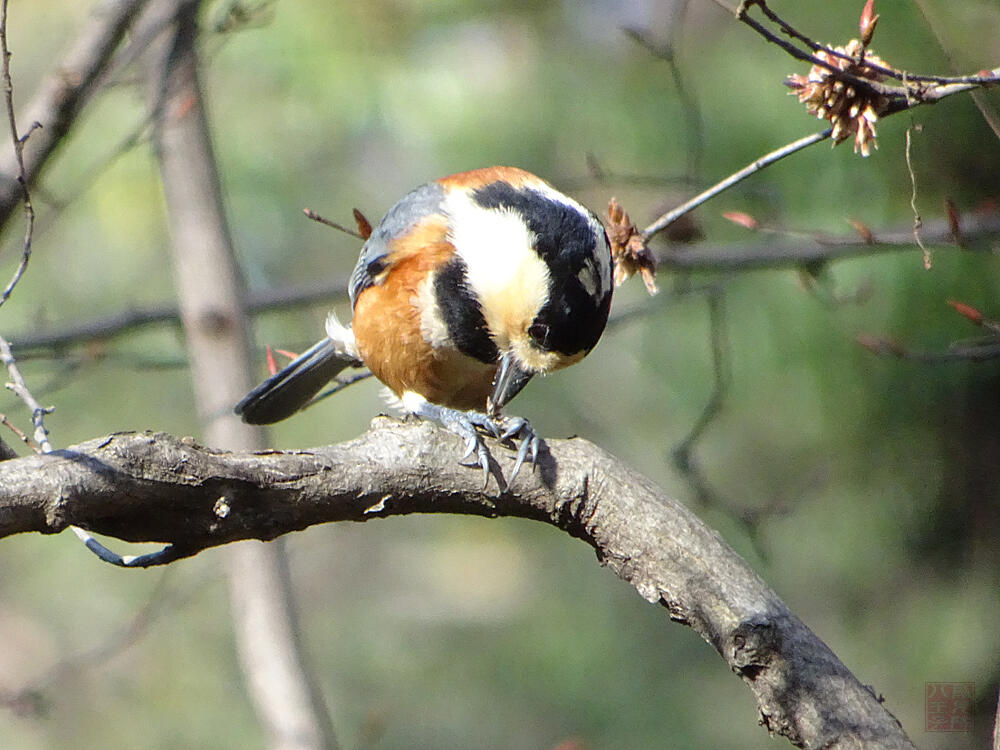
(288, 390)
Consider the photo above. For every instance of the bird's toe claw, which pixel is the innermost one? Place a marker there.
(471, 444)
(518, 428)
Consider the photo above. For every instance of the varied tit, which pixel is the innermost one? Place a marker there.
(468, 287)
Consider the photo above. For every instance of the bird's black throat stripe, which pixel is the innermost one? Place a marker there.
(461, 312)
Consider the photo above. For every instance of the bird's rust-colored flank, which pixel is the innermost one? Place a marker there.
(390, 340)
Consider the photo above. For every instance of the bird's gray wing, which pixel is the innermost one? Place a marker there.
(424, 201)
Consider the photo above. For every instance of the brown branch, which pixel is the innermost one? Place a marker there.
(64, 92)
(20, 389)
(915, 91)
(18, 141)
(979, 350)
(898, 104)
(127, 321)
(154, 487)
(864, 84)
(5, 450)
(17, 384)
(978, 230)
(905, 77)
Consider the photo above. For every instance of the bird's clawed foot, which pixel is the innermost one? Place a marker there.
(472, 425)
(506, 430)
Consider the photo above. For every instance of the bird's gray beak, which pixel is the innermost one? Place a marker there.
(507, 383)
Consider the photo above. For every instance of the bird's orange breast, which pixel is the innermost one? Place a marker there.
(389, 332)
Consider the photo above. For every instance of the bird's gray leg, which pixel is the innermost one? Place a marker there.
(465, 424)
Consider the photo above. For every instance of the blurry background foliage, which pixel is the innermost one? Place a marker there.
(436, 632)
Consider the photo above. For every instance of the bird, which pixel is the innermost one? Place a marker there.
(469, 286)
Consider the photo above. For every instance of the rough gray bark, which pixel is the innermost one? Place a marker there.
(154, 487)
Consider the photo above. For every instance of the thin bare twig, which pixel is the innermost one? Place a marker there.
(904, 77)
(720, 370)
(57, 204)
(20, 389)
(765, 161)
(162, 598)
(917, 221)
(682, 452)
(20, 433)
(694, 122)
(864, 84)
(109, 326)
(978, 350)
(334, 225)
(29, 212)
(980, 231)
(989, 115)
(915, 90)
(62, 95)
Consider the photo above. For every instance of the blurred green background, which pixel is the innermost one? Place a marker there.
(874, 480)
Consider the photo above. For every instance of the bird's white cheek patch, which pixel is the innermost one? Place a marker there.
(503, 270)
(509, 310)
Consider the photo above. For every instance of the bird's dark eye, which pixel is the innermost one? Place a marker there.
(539, 333)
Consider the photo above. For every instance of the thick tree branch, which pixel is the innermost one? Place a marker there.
(154, 487)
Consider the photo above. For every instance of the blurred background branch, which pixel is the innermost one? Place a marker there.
(211, 300)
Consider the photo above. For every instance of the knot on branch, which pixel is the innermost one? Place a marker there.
(754, 643)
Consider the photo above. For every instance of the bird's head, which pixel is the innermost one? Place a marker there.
(537, 265)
